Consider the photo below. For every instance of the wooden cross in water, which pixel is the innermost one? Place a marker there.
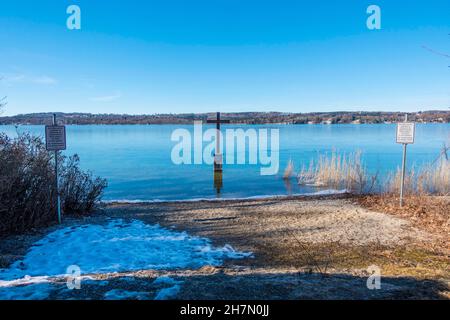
(218, 155)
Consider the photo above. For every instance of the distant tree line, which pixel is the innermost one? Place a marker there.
(237, 118)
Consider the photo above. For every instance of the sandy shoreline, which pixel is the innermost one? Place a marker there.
(304, 247)
(323, 193)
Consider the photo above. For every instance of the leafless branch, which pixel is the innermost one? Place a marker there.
(2, 100)
(442, 54)
(435, 52)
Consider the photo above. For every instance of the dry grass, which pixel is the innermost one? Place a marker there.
(347, 171)
(337, 171)
(429, 179)
(430, 213)
(289, 170)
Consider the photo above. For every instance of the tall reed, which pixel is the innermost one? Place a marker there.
(347, 171)
(429, 179)
(339, 171)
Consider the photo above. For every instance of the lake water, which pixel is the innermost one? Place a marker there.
(136, 159)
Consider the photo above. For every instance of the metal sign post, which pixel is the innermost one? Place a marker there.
(405, 135)
(55, 140)
(402, 183)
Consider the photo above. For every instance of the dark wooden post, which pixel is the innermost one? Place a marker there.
(218, 158)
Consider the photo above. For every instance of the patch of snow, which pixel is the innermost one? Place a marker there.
(100, 283)
(165, 280)
(115, 247)
(119, 294)
(39, 291)
(168, 293)
(329, 192)
(27, 280)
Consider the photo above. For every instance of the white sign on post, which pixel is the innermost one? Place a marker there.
(406, 132)
(55, 138)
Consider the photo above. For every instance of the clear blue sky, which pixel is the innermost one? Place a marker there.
(229, 55)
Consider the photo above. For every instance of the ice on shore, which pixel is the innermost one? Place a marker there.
(119, 294)
(34, 291)
(170, 291)
(114, 247)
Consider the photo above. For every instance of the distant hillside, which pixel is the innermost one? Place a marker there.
(238, 118)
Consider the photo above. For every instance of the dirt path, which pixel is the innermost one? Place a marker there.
(312, 221)
(303, 248)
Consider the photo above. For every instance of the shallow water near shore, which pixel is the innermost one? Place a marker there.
(136, 159)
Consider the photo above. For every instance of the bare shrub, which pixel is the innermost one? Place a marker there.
(26, 194)
(79, 190)
(27, 188)
(339, 171)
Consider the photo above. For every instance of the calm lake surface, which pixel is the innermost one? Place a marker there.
(136, 159)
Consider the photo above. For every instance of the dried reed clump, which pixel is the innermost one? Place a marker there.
(338, 171)
(346, 171)
(289, 170)
(429, 179)
(27, 189)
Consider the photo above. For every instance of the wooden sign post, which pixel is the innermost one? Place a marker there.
(55, 140)
(405, 135)
(218, 157)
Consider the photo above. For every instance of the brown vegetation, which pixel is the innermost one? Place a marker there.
(429, 179)
(430, 213)
(339, 172)
(347, 171)
(80, 191)
(27, 188)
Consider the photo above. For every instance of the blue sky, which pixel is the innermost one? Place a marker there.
(224, 55)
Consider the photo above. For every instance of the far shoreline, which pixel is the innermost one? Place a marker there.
(210, 125)
(235, 118)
